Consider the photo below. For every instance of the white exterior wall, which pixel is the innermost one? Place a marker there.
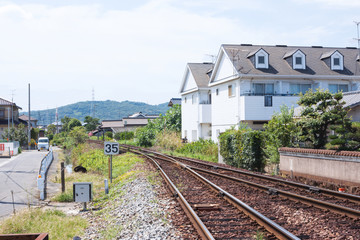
(224, 109)
(252, 107)
(189, 116)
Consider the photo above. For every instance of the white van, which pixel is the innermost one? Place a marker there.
(43, 143)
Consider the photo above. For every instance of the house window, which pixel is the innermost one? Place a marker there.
(337, 61)
(298, 60)
(263, 88)
(334, 88)
(231, 90)
(268, 101)
(217, 91)
(185, 100)
(299, 88)
(2, 113)
(261, 59)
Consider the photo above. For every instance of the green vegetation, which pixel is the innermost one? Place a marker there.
(124, 135)
(281, 131)
(104, 110)
(18, 133)
(202, 149)
(72, 134)
(243, 148)
(56, 223)
(321, 109)
(91, 123)
(171, 121)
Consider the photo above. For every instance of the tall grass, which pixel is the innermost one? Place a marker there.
(202, 149)
(55, 222)
(168, 140)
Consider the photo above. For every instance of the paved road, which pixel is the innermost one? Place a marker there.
(19, 174)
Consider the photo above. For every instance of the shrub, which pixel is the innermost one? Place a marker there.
(109, 135)
(124, 135)
(145, 136)
(243, 148)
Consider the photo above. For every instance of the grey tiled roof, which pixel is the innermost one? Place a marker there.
(238, 54)
(199, 72)
(352, 99)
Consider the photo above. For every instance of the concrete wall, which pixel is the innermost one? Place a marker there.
(324, 165)
(9, 148)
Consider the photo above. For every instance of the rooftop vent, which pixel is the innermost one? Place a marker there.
(351, 47)
(280, 45)
(245, 44)
(317, 46)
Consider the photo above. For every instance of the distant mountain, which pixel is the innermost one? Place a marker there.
(104, 110)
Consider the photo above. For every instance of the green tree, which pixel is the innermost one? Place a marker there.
(91, 123)
(280, 131)
(65, 123)
(17, 134)
(34, 133)
(320, 110)
(51, 129)
(74, 123)
(78, 135)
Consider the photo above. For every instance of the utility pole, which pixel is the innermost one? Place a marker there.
(8, 113)
(12, 109)
(29, 127)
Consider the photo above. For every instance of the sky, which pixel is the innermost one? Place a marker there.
(74, 50)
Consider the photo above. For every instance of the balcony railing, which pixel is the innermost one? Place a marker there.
(269, 94)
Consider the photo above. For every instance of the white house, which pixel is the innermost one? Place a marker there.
(248, 83)
(196, 101)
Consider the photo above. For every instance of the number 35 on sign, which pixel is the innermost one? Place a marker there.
(111, 148)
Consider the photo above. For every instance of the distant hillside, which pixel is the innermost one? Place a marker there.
(104, 110)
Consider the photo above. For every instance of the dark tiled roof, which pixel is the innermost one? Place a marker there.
(199, 70)
(26, 118)
(174, 101)
(4, 102)
(279, 66)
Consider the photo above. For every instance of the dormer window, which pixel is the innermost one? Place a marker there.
(334, 60)
(260, 58)
(337, 62)
(298, 61)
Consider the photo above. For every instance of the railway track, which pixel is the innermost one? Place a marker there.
(221, 214)
(284, 209)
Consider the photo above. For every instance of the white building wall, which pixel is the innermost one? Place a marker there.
(189, 116)
(224, 109)
(252, 107)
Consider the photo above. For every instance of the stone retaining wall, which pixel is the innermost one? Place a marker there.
(341, 167)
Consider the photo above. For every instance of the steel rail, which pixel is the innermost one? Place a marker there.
(263, 221)
(353, 213)
(194, 218)
(345, 196)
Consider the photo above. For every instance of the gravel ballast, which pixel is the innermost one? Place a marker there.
(141, 209)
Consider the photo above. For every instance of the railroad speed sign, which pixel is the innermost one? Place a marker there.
(111, 148)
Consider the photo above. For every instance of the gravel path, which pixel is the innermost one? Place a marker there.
(142, 209)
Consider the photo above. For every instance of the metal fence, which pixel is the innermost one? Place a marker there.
(44, 167)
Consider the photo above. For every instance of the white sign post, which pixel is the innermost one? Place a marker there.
(111, 148)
